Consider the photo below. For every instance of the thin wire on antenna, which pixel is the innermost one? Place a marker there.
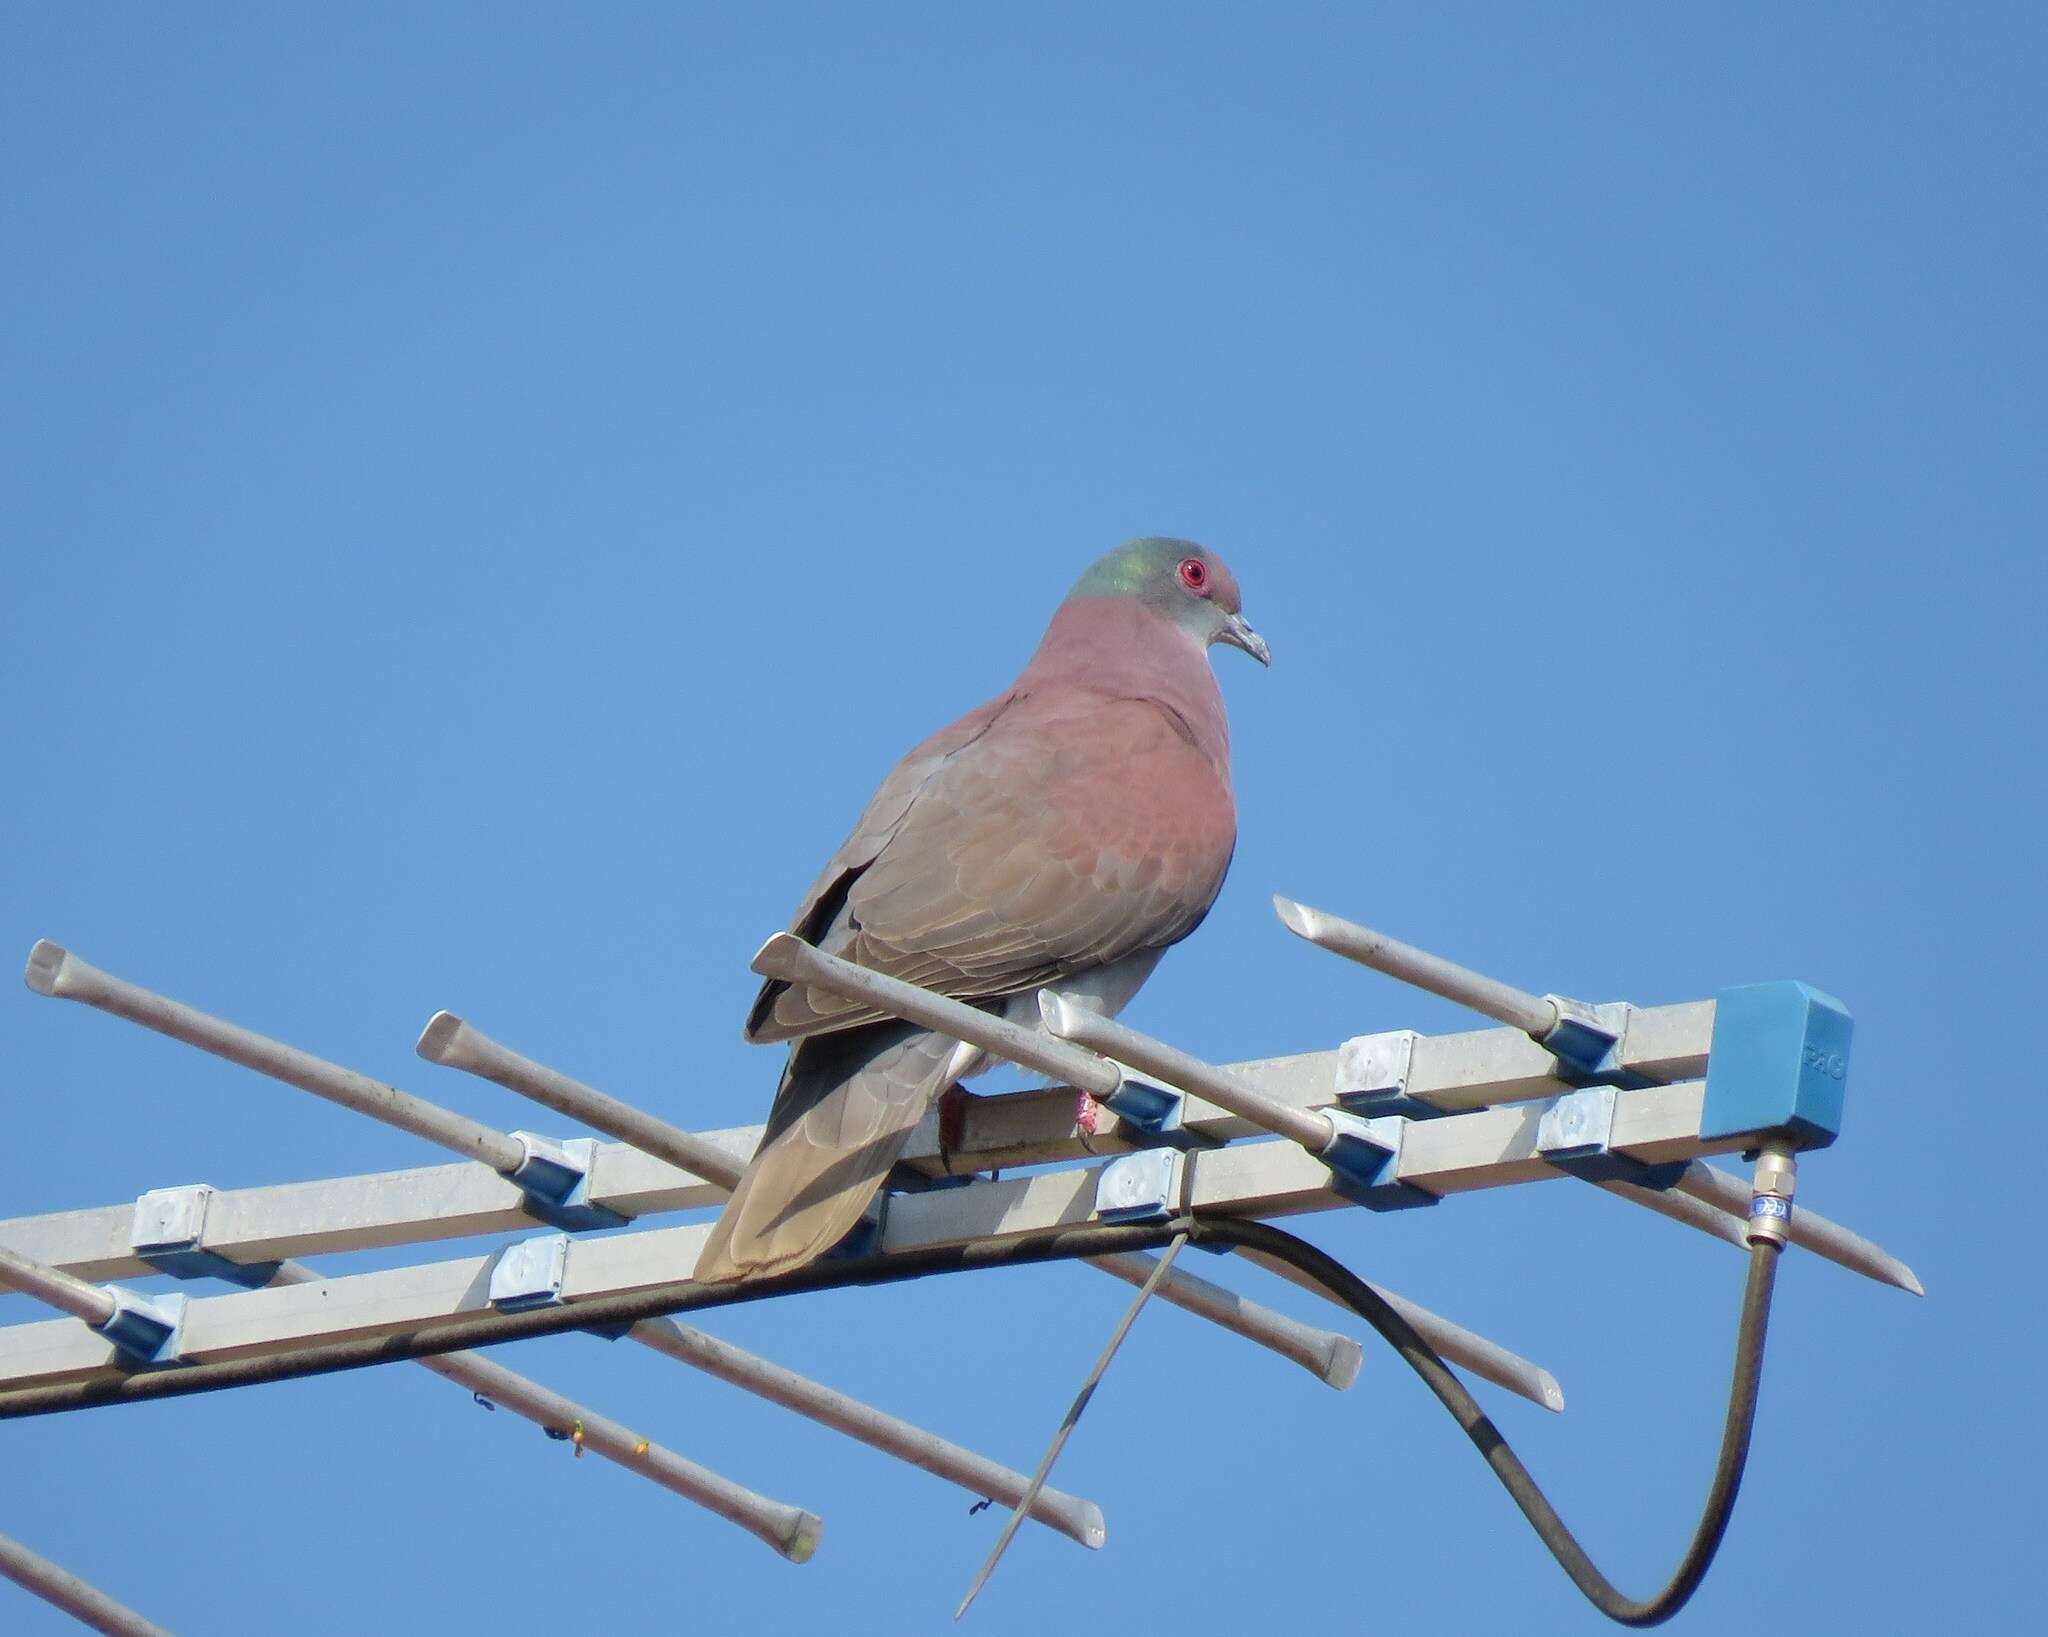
(1059, 1439)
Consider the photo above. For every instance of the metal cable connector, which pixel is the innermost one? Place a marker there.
(1770, 1198)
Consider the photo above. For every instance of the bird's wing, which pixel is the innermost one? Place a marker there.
(824, 906)
(1055, 835)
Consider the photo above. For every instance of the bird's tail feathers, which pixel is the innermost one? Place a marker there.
(847, 1105)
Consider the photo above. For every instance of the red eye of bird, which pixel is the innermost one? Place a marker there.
(1193, 575)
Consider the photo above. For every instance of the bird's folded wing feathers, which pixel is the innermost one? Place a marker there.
(1025, 842)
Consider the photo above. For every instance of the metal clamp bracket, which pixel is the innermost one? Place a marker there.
(1372, 1076)
(1140, 1187)
(168, 1231)
(555, 1177)
(149, 1329)
(1364, 1157)
(1576, 1134)
(529, 1273)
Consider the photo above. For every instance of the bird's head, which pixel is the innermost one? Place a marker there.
(1187, 583)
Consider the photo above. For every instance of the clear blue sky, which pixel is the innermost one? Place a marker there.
(486, 491)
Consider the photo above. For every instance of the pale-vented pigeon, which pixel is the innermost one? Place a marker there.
(1062, 836)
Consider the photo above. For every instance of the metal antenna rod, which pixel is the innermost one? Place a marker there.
(790, 1530)
(789, 958)
(1073, 1416)
(450, 1041)
(53, 970)
(1730, 1195)
(1486, 1359)
(86, 1604)
(1077, 1519)
(1324, 1353)
(456, 1043)
(1519, 1009)
(53, 1287)
(1690, 1212)
(1091, 1029)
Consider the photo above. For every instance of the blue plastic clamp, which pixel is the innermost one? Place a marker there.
(1364, 1157)
(1587, 1040)
(149, 1329)
(555, 1176)
(1576, 1134)
(1149, 1107)
(1154, 1110)
(1778, 1064)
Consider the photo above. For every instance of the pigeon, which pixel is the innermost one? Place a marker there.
(1061, 836)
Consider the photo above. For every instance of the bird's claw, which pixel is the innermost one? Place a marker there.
(952, 1105)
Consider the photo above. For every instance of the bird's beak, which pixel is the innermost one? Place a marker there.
(1238, 633)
